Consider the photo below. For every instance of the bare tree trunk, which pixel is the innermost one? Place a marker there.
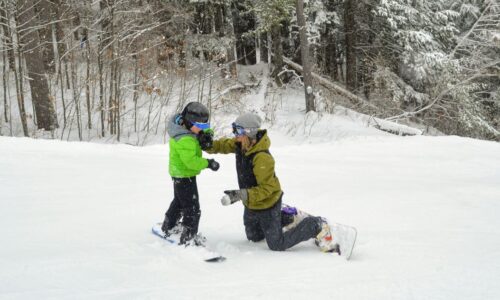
(277, 53)
(118, 77)
(76, 26)
(306, 60)
(264, 47)
(44, 108)
(105, 45)
(61, 79)
(5, 21)
(19, 83)
(44, 9)
(231, 51)
(76, 95)
(111, 100)
(224, 25)
(330, 40)
(136, 89)
(87, 86)
(257, 48)
(332, 57)
(61, 47)
(102, 105)
(4, 78)
(350, 36)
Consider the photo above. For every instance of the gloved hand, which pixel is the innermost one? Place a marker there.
(206, 139)
(213, 165)
(234, 196)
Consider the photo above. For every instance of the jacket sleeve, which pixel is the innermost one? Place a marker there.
(186, 147)
(223, 146)
(267, 182)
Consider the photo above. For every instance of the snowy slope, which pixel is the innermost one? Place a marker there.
(75, 222)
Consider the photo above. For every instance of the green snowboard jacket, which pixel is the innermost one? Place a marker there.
(185, 152)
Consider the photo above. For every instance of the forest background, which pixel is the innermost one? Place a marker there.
(114, 70)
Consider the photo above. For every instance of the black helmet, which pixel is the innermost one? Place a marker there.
(195, 112)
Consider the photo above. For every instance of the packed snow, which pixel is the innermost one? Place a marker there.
(76, 218)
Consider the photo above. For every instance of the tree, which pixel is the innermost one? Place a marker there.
(271, 15)
(350, 44)
(444, 77)
(44, 108)
(7, 35)
(306, 63)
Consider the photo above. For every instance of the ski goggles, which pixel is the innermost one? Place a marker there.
(202, 126)
(238, 130)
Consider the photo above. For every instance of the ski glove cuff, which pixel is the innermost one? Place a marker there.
(213, 165)
(234, 196)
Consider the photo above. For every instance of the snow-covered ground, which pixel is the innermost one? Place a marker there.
(75, 221)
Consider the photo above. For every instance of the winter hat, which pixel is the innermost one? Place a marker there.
(250, 122)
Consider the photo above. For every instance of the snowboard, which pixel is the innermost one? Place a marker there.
(202, 252)
(343, 235)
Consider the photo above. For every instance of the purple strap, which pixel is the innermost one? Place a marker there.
(289, 210)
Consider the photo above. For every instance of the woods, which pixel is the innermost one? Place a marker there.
(109, 68)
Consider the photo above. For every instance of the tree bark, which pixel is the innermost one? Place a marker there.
(277, 53)
(4, 78)
(306, 60)
(5, 20)
(76, 95)
(44, 108)
(87, 88)
(136, 88)
(45, 12)
(231, 51)
(350, 37)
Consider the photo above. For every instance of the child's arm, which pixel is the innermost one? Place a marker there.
(187, 154)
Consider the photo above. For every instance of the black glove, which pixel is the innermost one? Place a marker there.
(213, 165)
(234, 196)
(205, 139)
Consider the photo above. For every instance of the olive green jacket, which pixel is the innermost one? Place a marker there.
(268, 190)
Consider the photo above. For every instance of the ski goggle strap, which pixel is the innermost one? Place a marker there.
(178, 119)
(238, 130)
(202, 126)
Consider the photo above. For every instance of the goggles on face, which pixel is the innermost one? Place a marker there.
(202, 126)
(238, 130)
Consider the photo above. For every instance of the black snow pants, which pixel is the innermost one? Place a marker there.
(260, 224)
(186, 205)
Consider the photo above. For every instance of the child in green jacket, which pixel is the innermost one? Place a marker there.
(186, 131)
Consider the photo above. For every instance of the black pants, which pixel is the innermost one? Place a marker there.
(186, 205)
(260, 224)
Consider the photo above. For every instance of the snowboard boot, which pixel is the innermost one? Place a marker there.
(176, 229)
(324, 239)
(188, 238)
(197, 240)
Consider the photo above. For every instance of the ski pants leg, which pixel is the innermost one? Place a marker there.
(267, 223)
(252, 226)
(186, 204)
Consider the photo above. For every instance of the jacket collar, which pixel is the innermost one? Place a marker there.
(263, 143)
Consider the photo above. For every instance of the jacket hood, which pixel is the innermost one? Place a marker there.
(177, 131)
(263, 143)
